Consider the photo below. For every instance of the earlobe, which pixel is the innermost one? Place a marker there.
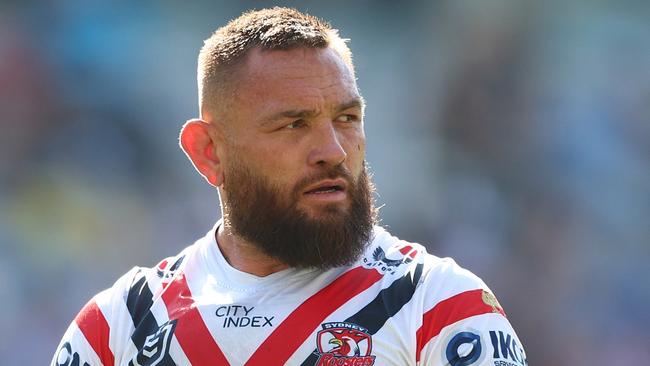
(200, 147)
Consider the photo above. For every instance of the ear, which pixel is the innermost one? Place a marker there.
(200, 147)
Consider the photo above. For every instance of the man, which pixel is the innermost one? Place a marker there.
(296, 273)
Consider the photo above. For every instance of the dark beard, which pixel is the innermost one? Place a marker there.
(256, 211)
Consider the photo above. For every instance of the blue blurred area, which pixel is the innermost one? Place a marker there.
(512, 136)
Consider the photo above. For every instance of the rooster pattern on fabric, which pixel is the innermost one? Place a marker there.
(397, 305)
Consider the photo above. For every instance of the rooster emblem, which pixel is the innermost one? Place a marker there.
(344, 340)
(346, 343)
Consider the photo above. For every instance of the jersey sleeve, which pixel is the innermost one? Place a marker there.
(90, 340)
(86, 340)
(463, 323)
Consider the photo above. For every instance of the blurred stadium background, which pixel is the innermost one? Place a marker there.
(513, 136)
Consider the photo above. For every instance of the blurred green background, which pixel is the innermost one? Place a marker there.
(513, 136)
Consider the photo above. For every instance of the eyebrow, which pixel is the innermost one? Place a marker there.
(357, 102)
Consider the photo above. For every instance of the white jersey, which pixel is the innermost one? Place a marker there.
(397, 305)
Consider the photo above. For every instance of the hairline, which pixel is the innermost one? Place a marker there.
(226, 74)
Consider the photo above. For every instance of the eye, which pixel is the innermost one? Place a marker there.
(347, 118)
(296, 124)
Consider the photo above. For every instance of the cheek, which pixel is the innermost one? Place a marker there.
(356, 150)
(280, 166)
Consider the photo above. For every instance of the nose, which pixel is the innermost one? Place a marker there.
(326, 147)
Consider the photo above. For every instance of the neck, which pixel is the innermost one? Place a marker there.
(245, 256)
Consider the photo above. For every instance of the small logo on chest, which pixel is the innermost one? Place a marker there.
(344, 344)
(156, 346)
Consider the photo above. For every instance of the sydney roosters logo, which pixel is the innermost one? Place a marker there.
(344, 344)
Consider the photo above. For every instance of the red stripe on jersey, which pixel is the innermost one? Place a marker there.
(94, 327)
(162, 264)
(291, 333)
(449, 311)
(192, 333)
(405, 249)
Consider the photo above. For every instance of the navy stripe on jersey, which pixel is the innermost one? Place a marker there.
(138, 302)
(139, 298)
(386, 304)
(177, 263)
(167, 272)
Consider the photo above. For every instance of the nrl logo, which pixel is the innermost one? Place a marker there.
(344, 344)
(156, 346)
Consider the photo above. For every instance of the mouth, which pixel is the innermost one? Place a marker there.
(330, 190)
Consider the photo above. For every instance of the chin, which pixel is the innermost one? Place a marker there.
(331, 211)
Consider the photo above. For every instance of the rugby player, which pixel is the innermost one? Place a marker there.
(296, 272)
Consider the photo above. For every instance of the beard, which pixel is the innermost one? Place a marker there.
(262, 214)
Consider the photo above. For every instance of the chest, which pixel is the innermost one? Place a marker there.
(260, 329)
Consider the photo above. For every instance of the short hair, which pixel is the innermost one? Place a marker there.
(276, 28)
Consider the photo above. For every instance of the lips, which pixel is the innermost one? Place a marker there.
(327, 186)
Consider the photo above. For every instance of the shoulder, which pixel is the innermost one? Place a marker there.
(458, 318)
(104, 325)
(392, 256)
(138, 288)
(134, 292)
(141, 282)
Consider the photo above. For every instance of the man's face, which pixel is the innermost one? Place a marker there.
(295, 183)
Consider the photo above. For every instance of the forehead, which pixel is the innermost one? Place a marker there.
(296, 78)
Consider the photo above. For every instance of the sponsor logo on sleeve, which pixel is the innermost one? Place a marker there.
(463, 349)
(67, 357)
(344, 344)
(507, 352)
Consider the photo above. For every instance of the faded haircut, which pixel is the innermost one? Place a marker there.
(276, 28)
